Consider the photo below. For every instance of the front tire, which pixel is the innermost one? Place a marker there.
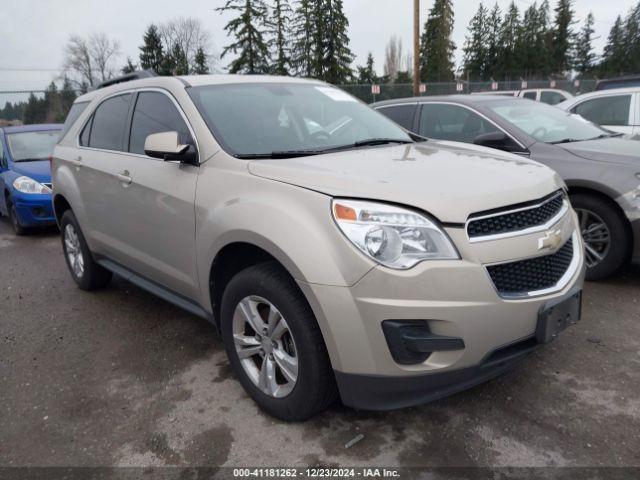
(604, 230)
(13, 218)
(274, 344)
(87, 274)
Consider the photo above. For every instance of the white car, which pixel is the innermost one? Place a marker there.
(616, 109)
(550, 96)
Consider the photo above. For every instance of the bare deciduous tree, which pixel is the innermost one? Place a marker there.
(92, 59)
(393, 58)
(190, 35)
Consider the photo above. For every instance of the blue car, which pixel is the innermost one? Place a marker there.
(25, 175)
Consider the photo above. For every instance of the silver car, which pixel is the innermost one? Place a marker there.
(601, 168)
(334, 254)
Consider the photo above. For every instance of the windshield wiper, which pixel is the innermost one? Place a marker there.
(566, 140)
(308, 153)
(282, 154)
(379, 141)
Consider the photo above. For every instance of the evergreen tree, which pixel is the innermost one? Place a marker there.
(613, 58)
(584, 58)
(367, 74)
(247, 29)
(152, 52)
(563, 37)
(303, 39)
(475, 45)
(632, 41)
(280, 23)
(337, 56)
(532, 37)
(436, 46)
(508, 61)
(129, 67)
(543, 45)
(201, 66)
(319, 35)
(494, 47)
(67, 95)
(181, 66)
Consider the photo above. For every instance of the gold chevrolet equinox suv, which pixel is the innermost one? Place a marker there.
(336, 256)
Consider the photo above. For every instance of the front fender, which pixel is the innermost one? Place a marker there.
(292, 224)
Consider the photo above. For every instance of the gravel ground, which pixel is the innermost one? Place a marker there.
(120, 378)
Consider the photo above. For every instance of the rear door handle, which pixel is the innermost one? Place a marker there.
(76, 161)
(125, 177)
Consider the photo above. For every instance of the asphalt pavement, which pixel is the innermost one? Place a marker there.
(121, 378)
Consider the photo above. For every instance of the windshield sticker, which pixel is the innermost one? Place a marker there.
(335, 94)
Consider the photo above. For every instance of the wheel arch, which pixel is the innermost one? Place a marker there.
(60, 205)
(607, 195)
(238, 255)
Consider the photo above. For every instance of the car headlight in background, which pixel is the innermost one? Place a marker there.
(392, 236)
(29, 185)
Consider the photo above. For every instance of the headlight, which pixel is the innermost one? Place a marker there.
(29, 185)
(393, 236)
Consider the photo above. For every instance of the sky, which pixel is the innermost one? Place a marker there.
(33, 32)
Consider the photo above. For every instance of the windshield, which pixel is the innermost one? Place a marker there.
(32, 145)
(261, 119)
(546, 123)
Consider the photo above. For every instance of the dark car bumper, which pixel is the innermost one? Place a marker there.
(372, 392)
(34, 210)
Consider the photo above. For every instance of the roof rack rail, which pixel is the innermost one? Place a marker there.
(127, 78)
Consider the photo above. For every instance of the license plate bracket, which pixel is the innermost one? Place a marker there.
(557, 315)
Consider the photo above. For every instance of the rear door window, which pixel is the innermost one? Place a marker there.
(403, 115)
(609, 110)
(155, 113)
(551, 98)
(452, 122)
(109, 123)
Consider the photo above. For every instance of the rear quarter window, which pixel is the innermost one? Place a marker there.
(72, 116)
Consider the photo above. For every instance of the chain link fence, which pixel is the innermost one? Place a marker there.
(403, 90)
(19, 107)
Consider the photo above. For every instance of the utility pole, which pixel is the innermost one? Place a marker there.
(416, 48)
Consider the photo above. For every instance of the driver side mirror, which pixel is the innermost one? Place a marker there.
(166, 146)
(497, 140)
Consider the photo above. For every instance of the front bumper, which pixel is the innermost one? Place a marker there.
(34, 210)
(457, 299)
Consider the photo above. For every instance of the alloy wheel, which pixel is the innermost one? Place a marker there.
(265, 346)
(73, 250)
(596, 236)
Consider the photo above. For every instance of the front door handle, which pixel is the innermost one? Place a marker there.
(125, 177)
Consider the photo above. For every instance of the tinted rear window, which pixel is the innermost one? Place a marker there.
(109, 120)
(72, 116)
(401, 114)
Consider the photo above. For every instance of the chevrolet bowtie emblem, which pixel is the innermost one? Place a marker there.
(551, 240)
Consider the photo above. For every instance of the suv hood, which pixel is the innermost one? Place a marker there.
(614, 150)
(446, 179)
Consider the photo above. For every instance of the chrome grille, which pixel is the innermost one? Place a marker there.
(515, 220)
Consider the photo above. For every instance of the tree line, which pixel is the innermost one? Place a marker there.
(538, 44)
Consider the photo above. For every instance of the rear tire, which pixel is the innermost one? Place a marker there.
(278, 306)
(13, 218)
(87, 274)
(605, 233)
